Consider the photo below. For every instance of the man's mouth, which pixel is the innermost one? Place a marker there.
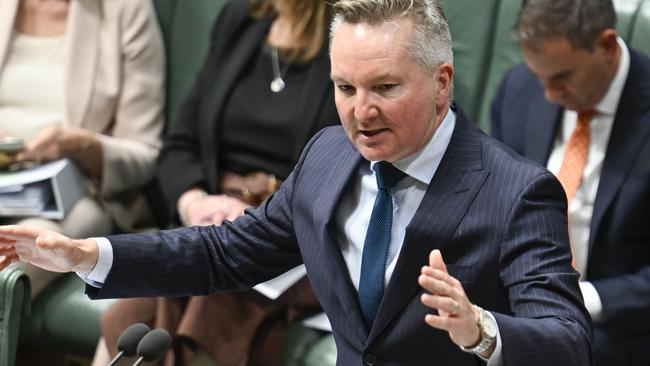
(371, 133)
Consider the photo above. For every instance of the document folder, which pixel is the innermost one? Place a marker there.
(49, 190)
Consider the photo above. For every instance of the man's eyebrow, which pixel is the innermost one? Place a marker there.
(375, 79)
(383, 76)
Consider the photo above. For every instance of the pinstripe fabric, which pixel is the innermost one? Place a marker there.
(499, 221)
(619, 245)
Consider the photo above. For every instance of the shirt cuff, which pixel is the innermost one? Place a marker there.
(97, 276)
(496, 359)
(592, 301)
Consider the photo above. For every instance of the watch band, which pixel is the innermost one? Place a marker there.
(487, 328)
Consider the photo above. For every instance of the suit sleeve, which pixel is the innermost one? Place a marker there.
(625, 297)
(235, 256)
(548, 317)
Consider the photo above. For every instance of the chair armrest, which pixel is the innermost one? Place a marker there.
(15, 294)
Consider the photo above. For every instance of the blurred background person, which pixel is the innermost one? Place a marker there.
(263, 91)
(84, 80)
(580, 106)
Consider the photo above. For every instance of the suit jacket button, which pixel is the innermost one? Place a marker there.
(370, 359)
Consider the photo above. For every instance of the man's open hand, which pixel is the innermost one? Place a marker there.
(46, 249)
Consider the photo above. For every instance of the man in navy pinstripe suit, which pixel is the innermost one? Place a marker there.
(500, 221)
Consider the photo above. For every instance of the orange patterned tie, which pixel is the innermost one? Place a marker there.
(575, 156)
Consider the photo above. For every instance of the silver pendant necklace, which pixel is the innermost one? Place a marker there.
(278, 84)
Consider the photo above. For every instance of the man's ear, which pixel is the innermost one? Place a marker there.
(608, 44)
(444, 75)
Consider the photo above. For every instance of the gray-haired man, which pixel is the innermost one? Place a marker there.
(369, 209)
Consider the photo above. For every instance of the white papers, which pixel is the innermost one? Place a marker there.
(32, 175)
(48, 191)
(275, 287)
(318, 321)
(25, 200)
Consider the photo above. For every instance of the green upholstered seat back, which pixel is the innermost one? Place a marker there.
(186, 28)
(626, 13)
(14, 305)
(471, 24)
(640, 30)
(505, 54)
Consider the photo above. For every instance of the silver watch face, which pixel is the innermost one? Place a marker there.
(489, 324)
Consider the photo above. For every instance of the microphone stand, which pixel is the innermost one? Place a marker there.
(117, 358)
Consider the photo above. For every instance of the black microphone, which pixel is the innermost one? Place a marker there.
(153, 346)
(128, 341)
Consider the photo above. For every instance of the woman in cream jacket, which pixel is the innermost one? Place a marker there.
(84, 79)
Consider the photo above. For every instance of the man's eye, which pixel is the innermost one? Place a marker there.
(344, 87)
(386, 87)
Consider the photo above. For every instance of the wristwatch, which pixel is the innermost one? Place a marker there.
(488, 328)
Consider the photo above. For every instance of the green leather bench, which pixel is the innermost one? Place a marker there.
(14, 305)
(64, 318)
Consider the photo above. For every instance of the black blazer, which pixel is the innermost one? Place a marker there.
(189, 156)
(619, 244)
(499, 221)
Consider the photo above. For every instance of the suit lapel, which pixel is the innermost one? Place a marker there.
(450, 192)
(229, 71)
(8, 12)
(539, 137)
(629, 132)
(82, 56)
(346, 167)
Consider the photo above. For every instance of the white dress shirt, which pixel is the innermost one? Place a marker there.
(582, 206)
(353, 213)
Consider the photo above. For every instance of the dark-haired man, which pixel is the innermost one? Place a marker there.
(581, 107)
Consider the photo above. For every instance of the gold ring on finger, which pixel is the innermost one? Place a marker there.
(455, 310)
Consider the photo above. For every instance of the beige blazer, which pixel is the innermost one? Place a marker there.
(114, 85)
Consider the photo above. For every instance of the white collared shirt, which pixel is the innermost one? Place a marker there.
(353, 213)
(582, 206)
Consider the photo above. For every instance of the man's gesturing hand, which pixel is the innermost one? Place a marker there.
(456, 314)
(47, 249)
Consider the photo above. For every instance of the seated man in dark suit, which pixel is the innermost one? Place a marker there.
(578, 68)
(369, 209)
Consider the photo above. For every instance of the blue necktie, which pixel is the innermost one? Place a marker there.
(375, 247)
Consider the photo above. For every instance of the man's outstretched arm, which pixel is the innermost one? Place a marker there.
(47, 249)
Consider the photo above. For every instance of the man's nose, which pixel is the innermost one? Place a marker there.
(364, 107)
(554, 91)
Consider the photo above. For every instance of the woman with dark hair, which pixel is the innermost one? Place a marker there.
(263, 91)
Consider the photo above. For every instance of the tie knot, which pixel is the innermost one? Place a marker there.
(387, 175)
(585, 117)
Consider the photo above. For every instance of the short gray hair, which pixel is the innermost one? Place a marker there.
(431, 43)
(581, 22)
